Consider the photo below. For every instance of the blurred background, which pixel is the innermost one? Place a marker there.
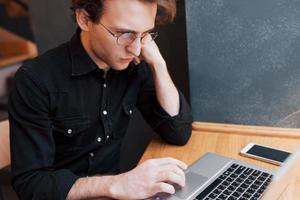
(16, 44)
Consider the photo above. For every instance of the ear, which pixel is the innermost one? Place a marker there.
(82, 19)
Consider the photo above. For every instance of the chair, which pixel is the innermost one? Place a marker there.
(4, 147)
(6, 191)
(1, 195)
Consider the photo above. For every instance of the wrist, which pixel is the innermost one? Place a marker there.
(159, 68)
(103, 186)
(114, 188)
(89, 187)
(158, 64)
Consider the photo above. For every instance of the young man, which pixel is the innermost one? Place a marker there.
(69, 108)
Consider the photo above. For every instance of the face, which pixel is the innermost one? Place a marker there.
(119, 16)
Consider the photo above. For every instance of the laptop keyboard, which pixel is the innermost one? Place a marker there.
(237, 182)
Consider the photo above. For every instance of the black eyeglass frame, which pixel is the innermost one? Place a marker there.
(153, 35)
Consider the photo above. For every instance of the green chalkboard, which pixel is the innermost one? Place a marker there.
(244, 61)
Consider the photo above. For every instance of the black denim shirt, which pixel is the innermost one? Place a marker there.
(67, 120)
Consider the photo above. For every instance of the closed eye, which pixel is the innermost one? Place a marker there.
(122, 31)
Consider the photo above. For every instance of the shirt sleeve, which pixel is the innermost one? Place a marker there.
(175, 130)
(32, 143)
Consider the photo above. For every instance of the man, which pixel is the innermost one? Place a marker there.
(69, 108)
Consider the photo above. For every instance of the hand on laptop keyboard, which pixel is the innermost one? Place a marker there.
(150, 178)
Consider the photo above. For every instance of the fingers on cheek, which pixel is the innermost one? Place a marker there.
(136, 60)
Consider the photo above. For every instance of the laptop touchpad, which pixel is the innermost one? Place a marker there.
(193, 182)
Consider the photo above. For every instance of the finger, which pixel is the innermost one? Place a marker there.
(169, 160)
(164, 188)
(136, 60)
(173, 168)
(172, 178)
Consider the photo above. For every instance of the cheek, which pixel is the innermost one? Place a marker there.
(102, 46)
(107, 47)
(115, 51)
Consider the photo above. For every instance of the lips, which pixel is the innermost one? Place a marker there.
(126, 59)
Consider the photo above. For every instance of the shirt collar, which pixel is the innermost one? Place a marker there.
(81, 61)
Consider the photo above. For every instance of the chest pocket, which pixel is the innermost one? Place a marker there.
(70, 127)
(120, 128)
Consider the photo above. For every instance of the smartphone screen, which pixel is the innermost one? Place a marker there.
(269, 153)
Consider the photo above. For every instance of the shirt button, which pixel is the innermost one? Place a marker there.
(69, 131)
(130, 111)
(92, 154)
(99, 139)
(104, 85)
(104, 112)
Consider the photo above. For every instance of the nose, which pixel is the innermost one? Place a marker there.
(135, 47)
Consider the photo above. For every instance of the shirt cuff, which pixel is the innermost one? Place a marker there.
(183, 116)
(65, 179)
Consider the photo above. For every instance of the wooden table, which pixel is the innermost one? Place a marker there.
(228, 140)
(14, 49)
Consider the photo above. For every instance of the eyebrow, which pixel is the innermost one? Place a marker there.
(132, 31)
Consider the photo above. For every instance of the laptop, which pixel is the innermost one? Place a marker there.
(217, 177)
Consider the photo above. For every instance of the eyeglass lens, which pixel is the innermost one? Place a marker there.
(128, 38)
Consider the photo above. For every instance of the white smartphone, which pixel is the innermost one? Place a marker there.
(264, 153)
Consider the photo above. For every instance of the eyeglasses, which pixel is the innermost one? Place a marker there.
(127, 38)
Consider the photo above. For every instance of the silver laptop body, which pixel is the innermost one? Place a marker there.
(206, 175)
(206, 171)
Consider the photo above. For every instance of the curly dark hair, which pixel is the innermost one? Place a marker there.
(166, 9)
